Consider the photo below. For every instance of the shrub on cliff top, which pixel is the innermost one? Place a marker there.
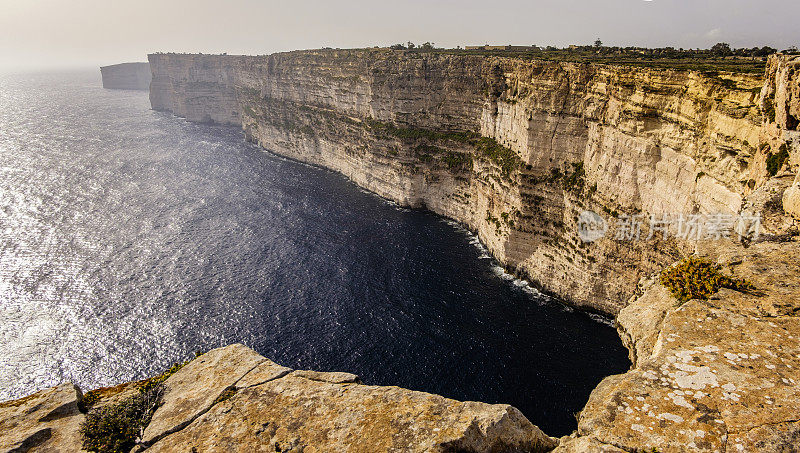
(115, 428)
(698, 278)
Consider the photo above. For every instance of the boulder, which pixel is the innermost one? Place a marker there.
(47, 421)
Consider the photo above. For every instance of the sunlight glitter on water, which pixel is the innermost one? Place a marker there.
(130, 239)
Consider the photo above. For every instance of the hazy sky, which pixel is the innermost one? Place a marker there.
(79, 33)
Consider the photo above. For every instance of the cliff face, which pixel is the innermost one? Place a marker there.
(127, 76)
(513, 149)
(781, 99)
(197, 87)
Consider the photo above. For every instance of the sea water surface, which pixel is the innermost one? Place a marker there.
(131, 238)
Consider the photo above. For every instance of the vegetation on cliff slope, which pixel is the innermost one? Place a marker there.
(775, 161)
(115, 428)
(485, 147)
(698, 278)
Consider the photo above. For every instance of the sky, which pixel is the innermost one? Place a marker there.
(91, 33)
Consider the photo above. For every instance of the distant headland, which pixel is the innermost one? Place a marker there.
(127, 76)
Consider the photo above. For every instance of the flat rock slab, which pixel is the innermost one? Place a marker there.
(265, 371)
(334, 377)
(193, 389)
(294, 413)
(47, 421)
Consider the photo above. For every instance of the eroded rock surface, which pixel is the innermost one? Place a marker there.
(295, 413)
(718, 375)
(575, 444)
(195, 387)
(46, 421)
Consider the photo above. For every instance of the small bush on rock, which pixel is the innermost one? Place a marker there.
(115, 428)
(698, 278)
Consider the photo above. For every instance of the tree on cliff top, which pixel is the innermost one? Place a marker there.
(721, 49)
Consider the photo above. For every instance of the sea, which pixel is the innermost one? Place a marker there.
(131, 239)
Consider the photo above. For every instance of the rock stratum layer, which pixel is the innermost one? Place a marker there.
(513, 149)
(233, 399)
(127, 76)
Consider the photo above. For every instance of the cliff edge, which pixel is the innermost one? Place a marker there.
(708, 375)
(233, 399)
(517, 150)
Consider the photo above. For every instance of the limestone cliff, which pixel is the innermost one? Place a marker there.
(781, 100)
(127, 76)
(513, 149)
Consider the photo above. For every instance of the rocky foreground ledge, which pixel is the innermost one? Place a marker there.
(233, 399)
(717, 375)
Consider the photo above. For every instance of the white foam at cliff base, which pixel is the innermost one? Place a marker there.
(523, 285)
(602, 319)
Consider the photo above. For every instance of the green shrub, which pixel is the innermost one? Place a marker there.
(457, 161)
(505, 158)
(574, 180)
(698, 278)
(769, 109)
(428, 149)
(775, 161)
(115, 428)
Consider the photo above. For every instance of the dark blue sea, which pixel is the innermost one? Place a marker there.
(131, 238)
